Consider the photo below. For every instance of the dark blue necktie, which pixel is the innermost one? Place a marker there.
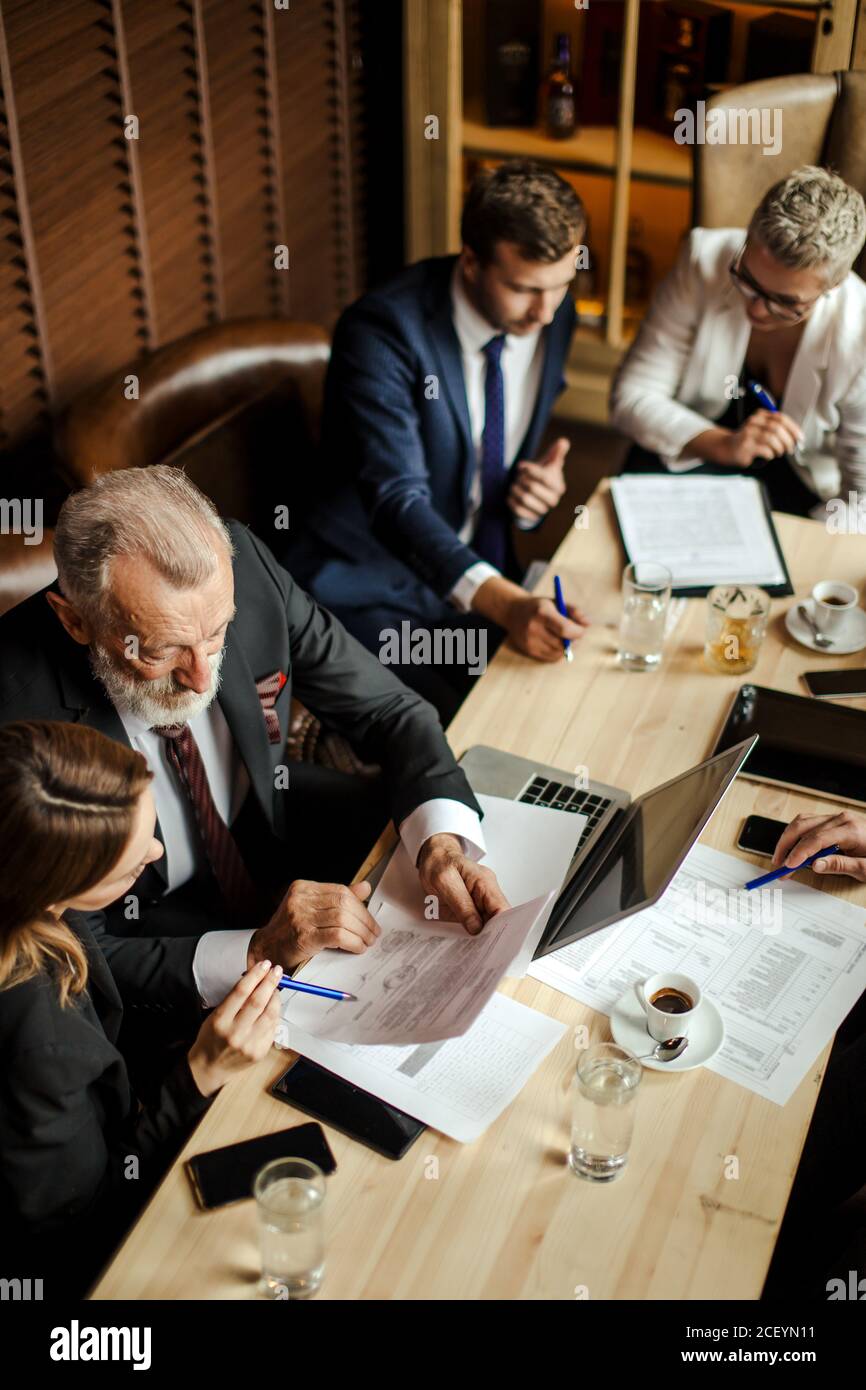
(491, 532)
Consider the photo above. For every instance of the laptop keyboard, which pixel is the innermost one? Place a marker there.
(561, 797)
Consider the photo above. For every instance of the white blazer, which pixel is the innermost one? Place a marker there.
(676, 379)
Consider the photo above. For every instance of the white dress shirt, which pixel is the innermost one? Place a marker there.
(221, 956)
(522, 361)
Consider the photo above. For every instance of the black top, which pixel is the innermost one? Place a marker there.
(78, 1154)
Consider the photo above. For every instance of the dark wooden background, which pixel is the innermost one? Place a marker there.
(251, 135)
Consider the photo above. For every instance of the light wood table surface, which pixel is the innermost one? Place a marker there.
(505, 1218)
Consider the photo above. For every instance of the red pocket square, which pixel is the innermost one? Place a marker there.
(268, 689)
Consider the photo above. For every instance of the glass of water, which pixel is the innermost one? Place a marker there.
(290, 1195)
(603, 1108)
(646, 594)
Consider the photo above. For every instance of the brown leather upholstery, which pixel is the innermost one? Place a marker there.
(188, 389)
(823, 122)
(196, 398)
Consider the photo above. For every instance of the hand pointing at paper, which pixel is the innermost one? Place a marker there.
(467, 892)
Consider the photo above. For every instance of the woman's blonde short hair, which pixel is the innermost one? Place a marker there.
(810, 220)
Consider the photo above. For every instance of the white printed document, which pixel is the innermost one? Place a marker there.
(420, 981)
(784, 965)
(429, 1033)
(458, 1087)
(706, 530)
(425, 980)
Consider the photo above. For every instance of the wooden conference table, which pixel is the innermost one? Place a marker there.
(506, 1219)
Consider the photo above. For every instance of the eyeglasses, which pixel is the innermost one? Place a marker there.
(751, 290)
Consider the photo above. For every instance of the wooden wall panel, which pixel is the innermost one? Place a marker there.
(164, 82)
(75, 160)
(243, 153)
(250, 135)
(23, 369)
(314, 157)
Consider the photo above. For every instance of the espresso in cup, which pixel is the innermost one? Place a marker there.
(832, 601)
(672, 1001)
(669, 1001)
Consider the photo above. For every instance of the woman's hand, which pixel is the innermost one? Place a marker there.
(808, 835)
(240, 1031)
(767, 434)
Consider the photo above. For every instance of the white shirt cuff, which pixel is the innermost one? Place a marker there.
(469, 583)
(678, 465)
(219, 961)
(441, 816)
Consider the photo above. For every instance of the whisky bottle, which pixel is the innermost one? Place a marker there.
(560, 108)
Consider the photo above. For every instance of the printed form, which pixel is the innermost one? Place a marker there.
(705, 530)
(428, 1032)
(784, 971)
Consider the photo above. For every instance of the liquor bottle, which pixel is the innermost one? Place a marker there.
(560, 107)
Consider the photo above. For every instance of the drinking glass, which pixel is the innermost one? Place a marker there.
(736, 623)
(603, 1109)
(290, 1194)
(646, 594)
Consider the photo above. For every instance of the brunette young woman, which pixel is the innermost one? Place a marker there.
(78, 1152)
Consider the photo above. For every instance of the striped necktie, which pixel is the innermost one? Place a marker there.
(228, 868)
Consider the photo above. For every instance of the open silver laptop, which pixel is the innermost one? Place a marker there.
(629, 851)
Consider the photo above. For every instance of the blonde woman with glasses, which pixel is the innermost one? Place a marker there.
(752, 358)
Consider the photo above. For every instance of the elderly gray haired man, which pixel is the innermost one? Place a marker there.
(180, 635)
(778, 306)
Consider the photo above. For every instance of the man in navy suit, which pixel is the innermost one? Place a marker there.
(439, 389)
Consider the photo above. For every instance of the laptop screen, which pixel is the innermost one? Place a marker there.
(645, 852)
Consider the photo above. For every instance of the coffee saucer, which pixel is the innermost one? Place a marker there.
(851, 636)
(706, 1033)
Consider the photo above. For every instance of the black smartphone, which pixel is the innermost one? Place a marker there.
(347, 1108)
(226, 1175)
(760, 835)
(838, 685)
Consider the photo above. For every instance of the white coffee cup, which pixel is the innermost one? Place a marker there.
(661, 1024)
(831, 616)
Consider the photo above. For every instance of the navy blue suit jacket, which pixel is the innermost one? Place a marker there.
(398, 459)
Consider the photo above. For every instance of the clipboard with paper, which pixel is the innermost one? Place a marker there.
(707, 530)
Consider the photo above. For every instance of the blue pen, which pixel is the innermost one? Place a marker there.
(288, 983)
(763, 396)
(780, 873)
(560, 604)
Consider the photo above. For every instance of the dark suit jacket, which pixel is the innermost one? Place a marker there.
(398, 462)
(46, 675)
(69, 1125)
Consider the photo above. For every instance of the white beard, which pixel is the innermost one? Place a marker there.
(156, 703)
